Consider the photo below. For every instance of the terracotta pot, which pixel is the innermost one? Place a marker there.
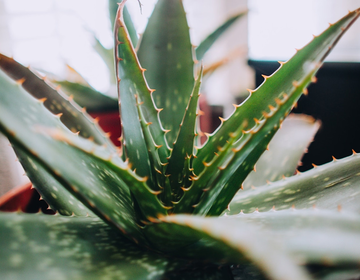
(24, 198)
(17, 198)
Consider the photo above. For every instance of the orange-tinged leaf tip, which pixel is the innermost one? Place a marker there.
(207, 164)
(313, 79)
(144, 179)
(220, 149)
(278, 101)
(152, 219)
(295, 84)
(42, 100)
(20, 81)
(272, 108)
(200, 113)
(265, 77)
(194, 178)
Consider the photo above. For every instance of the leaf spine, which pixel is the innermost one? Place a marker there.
(20, 81)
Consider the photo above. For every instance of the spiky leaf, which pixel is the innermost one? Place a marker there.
(284, 152)
(280, 91)
(329, 186)
(88, 97)
(50, 189)
(57, 103)
(133, 89)
(86, 178)
(178, 169)
(167, 57)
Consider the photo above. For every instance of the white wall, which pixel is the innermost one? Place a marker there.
(277, 27)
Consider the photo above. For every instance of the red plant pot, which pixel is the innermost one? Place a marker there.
(17, 198)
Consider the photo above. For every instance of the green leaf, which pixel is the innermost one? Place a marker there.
(166, 53)
(107, 56)
(133, 89)
(312, 236)
(328, 187)
(206, 44)
(147, 199)
(54, 101)
(88, 97)
(178, 169)
(285, 80)
(50, 189)
(113, 7)
(233, 241)
(101, 190)
(251, 121)
(284, 152)
(36, 246)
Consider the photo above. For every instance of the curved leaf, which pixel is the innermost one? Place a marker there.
(284, 152)
(206, 44)
(50, 189)
(56, 102)
(329, 186)
(223, 239)
(312, 236)
(165, 51)
(36, 246)
(102, 190)
(133, 89)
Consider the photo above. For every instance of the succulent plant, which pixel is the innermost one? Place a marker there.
(161, 206)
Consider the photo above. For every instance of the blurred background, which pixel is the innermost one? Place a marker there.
(50, 34)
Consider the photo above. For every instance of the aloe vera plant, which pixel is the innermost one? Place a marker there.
(162, 207)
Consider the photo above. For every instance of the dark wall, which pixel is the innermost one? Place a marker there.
(335, 100)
